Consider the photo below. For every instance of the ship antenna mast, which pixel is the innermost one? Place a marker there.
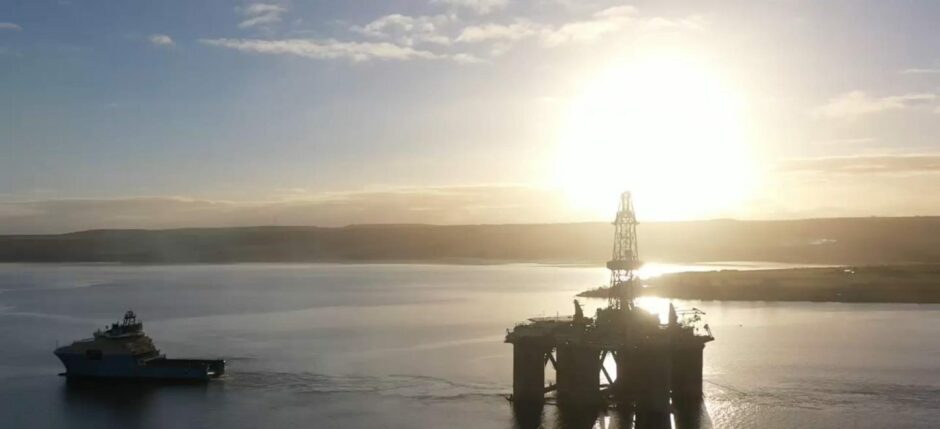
(625, 261)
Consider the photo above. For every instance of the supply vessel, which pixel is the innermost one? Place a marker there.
(123, 351)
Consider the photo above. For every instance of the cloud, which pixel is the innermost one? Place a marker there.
(921, 71)
(464, 58)
(324, 49)
(261, 14)
(478, 6)
(601, 24)
(161, 40)
(857, 103)
(435, 205)
(408, 30)
(520, 29)
(607, 21)
(614, 20)
(398, 36)
(866, 165)
(849, 141)
(9, 26)
(865, 185)
(694, 22)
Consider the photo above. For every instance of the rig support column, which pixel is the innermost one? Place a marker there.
(687, 371)
(578, 375)
(652, 400)
(628, 375)
(528, 373)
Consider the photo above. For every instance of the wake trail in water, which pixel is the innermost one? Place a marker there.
(822, 394)
(409, 386)
(9, 311)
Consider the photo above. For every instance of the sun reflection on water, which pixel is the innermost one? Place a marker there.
(654, 305)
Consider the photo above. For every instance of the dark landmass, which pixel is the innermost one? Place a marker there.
(918, 283)
(855, 241)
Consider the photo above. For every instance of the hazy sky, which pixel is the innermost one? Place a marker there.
(189, 113)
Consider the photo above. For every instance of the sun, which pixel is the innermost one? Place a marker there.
(665, 128)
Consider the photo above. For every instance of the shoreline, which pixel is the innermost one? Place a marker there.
(910, 283)
(706, 266)
(452, 262)
(897, 283)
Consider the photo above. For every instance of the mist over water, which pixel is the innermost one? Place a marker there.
(421, 345)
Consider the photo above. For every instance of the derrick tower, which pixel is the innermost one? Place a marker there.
(625, 262)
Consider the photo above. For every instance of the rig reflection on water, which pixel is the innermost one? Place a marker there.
(685, 416)
(657, 379)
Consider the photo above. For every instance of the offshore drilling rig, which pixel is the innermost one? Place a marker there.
(657, 364)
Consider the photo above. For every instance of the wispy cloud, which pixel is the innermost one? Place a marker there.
(408, 30)
(261, 14)
(445, 36)
(867, 164)
(849, 141)
(478, 6)
(615, 20)
(464, 58)
(601, 24)
(857, 103)
(520, 29)
(921, 71)
(324, 49)
(9, 26)
(436, 205)
(161, 40)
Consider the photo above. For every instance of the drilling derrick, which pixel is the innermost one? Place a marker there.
(625, 260)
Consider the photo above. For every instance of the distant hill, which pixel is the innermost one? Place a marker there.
(822, 241)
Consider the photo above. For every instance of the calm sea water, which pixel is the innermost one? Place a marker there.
(403, 346)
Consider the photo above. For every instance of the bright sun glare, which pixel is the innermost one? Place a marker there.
(665, 128)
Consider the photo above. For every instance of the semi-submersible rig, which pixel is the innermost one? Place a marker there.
(657, 364)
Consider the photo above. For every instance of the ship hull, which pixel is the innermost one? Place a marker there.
(128, 367)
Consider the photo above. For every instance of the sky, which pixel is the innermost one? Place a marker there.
(222, 113)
